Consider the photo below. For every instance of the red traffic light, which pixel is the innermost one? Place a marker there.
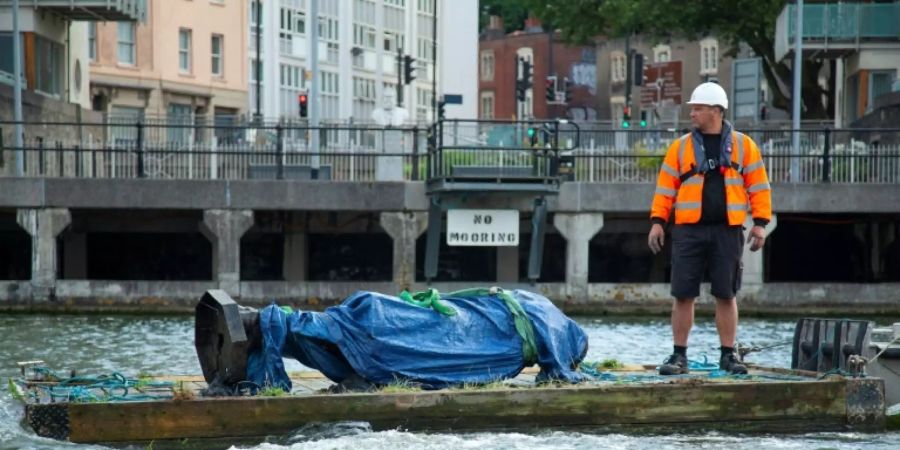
(302, 98)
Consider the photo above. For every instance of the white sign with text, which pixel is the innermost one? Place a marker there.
(483, 227)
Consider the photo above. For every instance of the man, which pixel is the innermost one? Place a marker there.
(709, 177)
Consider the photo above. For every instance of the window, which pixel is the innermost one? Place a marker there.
(329, 83)
(216, 45)
(49, 66)
(184, 50)
(709, 56)
(364, 36)
(487, 105)
(426, 6)
(880, 82)
(179, 115)
(617, 67)
(255, 70)
(92, 41)
(363, 88)
(392, 41)
(487, 65)
(126, 42)
(662, 53)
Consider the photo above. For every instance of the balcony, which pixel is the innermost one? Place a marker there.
(97, 10)
(838, 29)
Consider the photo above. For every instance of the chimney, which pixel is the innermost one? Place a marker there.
(533, 25)
(495, 23)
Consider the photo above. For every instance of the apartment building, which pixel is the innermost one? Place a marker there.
(187, 61)
(359, 41)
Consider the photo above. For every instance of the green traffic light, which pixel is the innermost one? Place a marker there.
(626, 124)
(531, 132)
(643, 124)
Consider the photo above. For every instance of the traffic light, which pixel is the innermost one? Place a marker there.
(551, 88)
(532, 136)
(638, 69)
(409, 70)
(523, 82)
(626, 117)
(303, 102)
(441, 104)
(643, 119)
(567, 88)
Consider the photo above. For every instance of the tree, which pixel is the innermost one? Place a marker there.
(751, 22)
(512, 12)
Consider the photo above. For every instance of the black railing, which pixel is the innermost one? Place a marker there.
(548, 150)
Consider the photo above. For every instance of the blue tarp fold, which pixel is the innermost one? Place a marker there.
(383, 339)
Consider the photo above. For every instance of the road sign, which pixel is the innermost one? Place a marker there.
(483, 227)
(745, 88)
(453, 99)
(662, 84)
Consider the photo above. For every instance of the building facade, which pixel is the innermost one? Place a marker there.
(701, 60)
(550, 58)
(358, 46)
(187, 61)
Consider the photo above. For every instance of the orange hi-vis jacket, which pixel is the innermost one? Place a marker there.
(681, 185)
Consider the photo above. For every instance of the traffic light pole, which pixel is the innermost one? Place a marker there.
(399, 76)
(314, 87)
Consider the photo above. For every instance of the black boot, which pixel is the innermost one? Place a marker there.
(730, 363)
(675, 364)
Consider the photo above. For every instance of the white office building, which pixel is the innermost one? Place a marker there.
(358, 46)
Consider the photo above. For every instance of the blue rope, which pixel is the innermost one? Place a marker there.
(113, 387)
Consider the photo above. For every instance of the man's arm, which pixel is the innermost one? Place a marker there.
(667, 184)
(756, 182)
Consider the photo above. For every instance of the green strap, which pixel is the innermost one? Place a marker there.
(428, 299)
(431, 299)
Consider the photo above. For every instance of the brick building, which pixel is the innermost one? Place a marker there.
(497, 73)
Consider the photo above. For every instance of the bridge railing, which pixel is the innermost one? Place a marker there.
(172, 149)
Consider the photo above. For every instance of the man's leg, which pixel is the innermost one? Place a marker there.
(682, 320)
(726, 321)
(725, 275)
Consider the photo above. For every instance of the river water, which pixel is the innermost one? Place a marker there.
(99, 344)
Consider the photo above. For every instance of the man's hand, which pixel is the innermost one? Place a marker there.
(657, 238)
(757, 238)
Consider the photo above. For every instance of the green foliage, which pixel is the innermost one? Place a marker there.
(399, 386)
(272, 391)
(611, 364)
(732, 21)
(513, 12)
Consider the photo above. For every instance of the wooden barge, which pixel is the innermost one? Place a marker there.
(769, 400)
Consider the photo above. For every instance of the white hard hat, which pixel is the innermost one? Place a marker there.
(709, 93)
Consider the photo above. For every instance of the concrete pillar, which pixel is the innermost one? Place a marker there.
(753, 261)
(508, 264)
(75, 256)
(44, 225)
(224, 228)
(578, 229)
(404, 228)
(295, 262)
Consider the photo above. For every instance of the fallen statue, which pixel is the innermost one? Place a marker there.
(475, 336)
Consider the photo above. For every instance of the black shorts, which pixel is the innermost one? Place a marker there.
(711, 250)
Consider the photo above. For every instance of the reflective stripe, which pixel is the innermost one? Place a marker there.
(666, 191)
(753, 167)
(740, 142)
(681, 145)
(669, 170)
(734, 181)
(687, 205)
(737, 207)
(759, 187)
(693, 180)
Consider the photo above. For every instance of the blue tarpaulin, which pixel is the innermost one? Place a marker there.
(384, 339)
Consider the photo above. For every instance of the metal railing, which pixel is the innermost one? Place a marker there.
(169, 150)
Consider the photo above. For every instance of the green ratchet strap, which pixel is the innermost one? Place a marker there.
(431, 299)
